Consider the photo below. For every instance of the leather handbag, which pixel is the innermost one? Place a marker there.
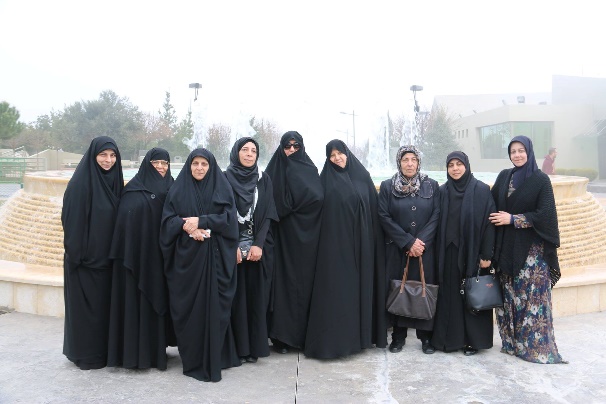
(246, 240)
(482, 292)
(412, 299)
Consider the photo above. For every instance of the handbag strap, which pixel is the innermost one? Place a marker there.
(405, 276)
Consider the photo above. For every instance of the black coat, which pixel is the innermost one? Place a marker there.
(90, 204)
(201, 274)
(404, 220)
(350, 255)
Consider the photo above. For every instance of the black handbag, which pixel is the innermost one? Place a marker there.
(412, 299)
(482, 292)
(246, 239)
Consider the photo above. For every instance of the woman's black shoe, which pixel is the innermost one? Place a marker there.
(396, 345)
(280, 347)
(251, 359)
(468, 351)
(426, 347)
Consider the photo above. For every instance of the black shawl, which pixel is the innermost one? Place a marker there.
(535, 200)
(243, 180)
(137, 231)
(200, 274)
(298, 195)
(349, 317)
(90, 204)
(475, 232)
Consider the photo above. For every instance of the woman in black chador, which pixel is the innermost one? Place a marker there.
(256, 210)
(298, 196)
(465, 241)
(90, 205)
(350, 258)
(139, 316)
(409, 209)
(199, 238)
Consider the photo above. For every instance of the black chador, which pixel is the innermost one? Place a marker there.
(90, 205)
(139, 317)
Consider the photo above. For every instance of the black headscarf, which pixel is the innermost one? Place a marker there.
(456, 191)
(403, 186)
(149, 179)
(243, 180)
(201, 274)
(90, 204)
(521, 173)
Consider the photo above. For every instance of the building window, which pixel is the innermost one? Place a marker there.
(494, 139)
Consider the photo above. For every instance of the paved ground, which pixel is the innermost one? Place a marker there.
(33, 370)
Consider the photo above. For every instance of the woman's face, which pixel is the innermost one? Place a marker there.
(292, 147)
(161, 166)
(338, 158)
(409, 165)
(248, 154)
(199, 168)
(517, 154)
(456, 168)
(106, 159)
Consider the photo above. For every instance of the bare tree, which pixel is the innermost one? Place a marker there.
(267, 135)
(218, 141)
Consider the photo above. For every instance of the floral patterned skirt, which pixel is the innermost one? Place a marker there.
(525, 321)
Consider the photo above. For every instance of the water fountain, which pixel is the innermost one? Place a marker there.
(31, 246)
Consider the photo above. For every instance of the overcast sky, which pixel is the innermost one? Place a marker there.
(299, 63)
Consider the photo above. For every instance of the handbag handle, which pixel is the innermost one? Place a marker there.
(406, 274)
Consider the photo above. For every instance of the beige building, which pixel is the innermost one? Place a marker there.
(571, 118)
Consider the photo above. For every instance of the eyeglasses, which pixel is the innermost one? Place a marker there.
(296, 145)
(158, 163)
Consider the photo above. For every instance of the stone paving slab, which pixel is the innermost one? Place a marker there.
(33, 370)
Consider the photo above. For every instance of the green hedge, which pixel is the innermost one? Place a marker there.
(578, 172)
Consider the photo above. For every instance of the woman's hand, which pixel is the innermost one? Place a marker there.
(254, 254)
(238, 255)
(500, 218)
(198, 235)
(190, 224)
(417, 249)
(484, 263)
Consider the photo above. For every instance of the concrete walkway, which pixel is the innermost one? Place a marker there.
(33, 370)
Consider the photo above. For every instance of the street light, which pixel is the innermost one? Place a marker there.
(196, 87)
(415, 127)
(353, 117)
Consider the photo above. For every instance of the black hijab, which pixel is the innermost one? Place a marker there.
(243, 180)
(456, 191)
(90, 204)
(149, 179)
(521, 173)
(287, 173)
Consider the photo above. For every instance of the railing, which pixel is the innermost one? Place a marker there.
(13, 169)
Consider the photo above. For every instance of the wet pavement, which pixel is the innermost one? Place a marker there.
(33, 370)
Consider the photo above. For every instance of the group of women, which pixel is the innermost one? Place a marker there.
(219, 263)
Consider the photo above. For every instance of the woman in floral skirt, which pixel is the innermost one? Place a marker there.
(526, 255)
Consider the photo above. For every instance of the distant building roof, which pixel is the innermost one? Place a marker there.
(464, 105)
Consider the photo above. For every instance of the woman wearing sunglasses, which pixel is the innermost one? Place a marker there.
(298, 195)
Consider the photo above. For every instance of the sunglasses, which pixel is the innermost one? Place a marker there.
(297, 146)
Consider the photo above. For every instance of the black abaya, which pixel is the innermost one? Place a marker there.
(201, 274)
(298, 195)
(249, 310)
(465, 206)
(139, 317)
(350, 255)
(90, 205)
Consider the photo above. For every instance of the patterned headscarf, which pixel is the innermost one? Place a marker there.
(401, 185)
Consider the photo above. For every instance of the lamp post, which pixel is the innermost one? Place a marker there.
(415, 126)
(353, 117)
(196, 87)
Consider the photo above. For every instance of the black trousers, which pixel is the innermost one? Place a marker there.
(400, 333)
